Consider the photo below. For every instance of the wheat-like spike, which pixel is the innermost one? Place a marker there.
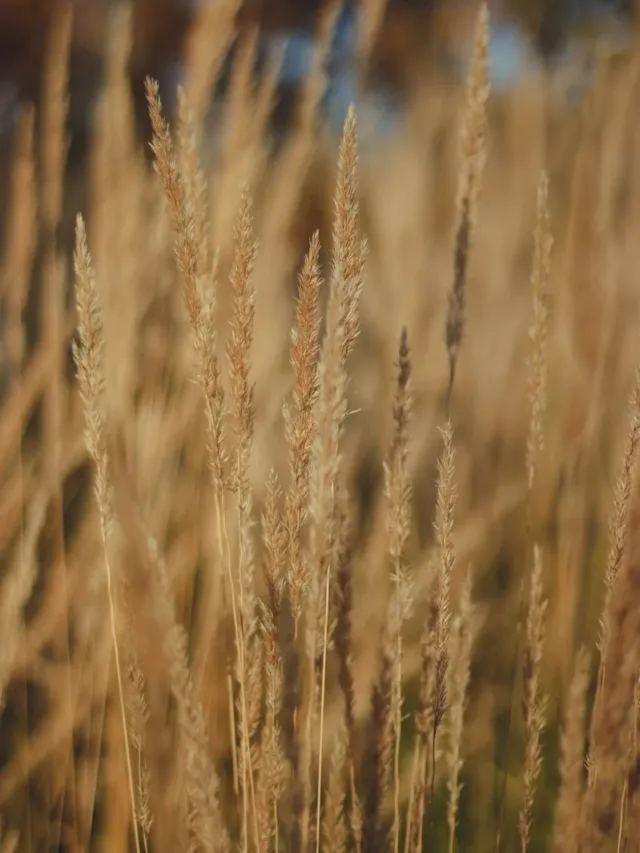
(342, 328)
(533, 702)
(463, 634)
(239, 357)
(567, 818)
(424, 724)
(138, 715)
(472, 160)
(88, 354)
(378, 757)
(445, 507)
(614, 701)
(343, 640)
(272, 772)
(242, 392)
(300, 420)
(619, 521)
(398, 496)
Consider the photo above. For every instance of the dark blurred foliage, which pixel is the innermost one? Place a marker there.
(411, 27)
(410, 39)
(551, 22)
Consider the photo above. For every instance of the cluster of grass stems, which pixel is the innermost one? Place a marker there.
(199, 650)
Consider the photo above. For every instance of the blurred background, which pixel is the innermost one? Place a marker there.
(417, 38)
(421, 45)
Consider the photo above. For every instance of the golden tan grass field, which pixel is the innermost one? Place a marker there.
(319, 511)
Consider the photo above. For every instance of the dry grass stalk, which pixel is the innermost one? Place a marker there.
(200, 290)
(116, 216)
(287, 182)
(195, 191)
(473, 155)
(418, 794)
(445, 508)
(158, 629)
(207, 47)
(274, 534)
(334, 822)
(464, 630)
(88, 355)
(182, 214)
(55, 107)
(244, 147)
(22, 398)
(614, 702)
(343, 640)
(340, 335)
(372, 14)
(300, 431)
(242, 390)
(53, 156)
(434, 652)
(15, 591)
(618, 535)
(200, 314)
(398, 496)
(632, 786)
(619, 522)
(537, 380)
(20, 238)
(186, 190)
(53, 160)
(344, 606)
(240, 101)
(378, 760)
(537, 371)
(300, 421)
(121, 112)
(349, 247)
(272, 776)
(239, 356)
(20, 241)
(382, 758)
(532, 701)
(567, 818)
(323, 692)
(208, 369)
(138, 716)
(300, 151)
